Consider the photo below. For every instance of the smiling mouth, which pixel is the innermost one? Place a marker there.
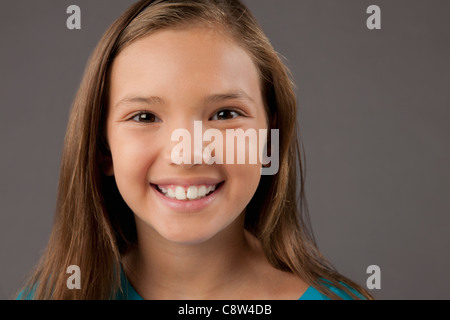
(188, 193)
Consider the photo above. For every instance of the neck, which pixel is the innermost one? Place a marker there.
(159, 269)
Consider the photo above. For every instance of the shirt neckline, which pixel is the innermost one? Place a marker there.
(131, 293)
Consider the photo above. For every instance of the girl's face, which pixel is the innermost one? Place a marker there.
(164, 82)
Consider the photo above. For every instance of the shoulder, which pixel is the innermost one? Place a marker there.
(313, 294)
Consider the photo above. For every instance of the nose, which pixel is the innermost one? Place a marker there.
(184, 144)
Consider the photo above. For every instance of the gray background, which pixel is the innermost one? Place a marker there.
(374, 113)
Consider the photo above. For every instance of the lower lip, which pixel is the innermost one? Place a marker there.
(188, 205)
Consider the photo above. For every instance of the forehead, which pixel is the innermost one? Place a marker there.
(195, 60)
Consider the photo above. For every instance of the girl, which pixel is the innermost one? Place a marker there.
(141, 226)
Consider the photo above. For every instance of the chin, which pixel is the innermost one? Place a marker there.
(192, 232)
(188, 237)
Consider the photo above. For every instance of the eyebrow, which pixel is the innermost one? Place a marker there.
(214, 98)
(152, 100)
(237, 95)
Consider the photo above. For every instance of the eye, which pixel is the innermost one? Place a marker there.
(145, 117)
(225, 114)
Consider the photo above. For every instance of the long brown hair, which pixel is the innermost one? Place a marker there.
(93, 226)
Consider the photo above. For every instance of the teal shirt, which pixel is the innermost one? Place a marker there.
(129, 293)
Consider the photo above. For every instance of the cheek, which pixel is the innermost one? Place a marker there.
(243, 167)
(242, 146)
(243, 181)
(131, 159)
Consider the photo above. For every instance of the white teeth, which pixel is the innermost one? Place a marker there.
(180, 193)
(190, 193)
(202, 191)
(170, 193)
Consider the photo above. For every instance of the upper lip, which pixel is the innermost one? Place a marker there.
(187, 182)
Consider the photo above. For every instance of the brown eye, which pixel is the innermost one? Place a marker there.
(146, 117)
(225, 115)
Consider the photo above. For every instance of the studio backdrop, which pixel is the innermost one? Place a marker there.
(373, 91)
